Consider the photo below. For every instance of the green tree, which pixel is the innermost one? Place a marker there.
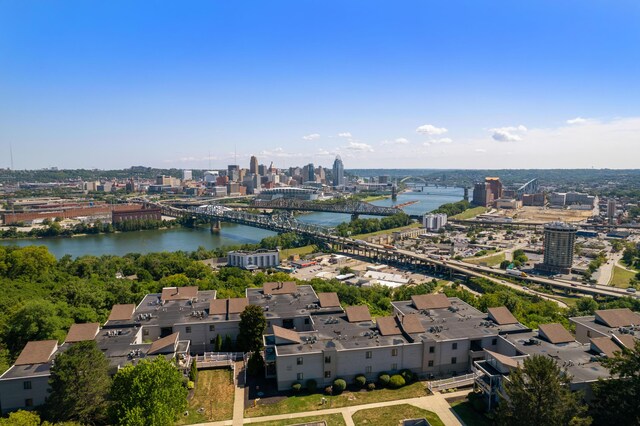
(21, 418)
(218, 345)
(35, 320)
(150, 394)
(251, 328)
(538, 394)
(79, 385)
(616, 400)
(32, 262)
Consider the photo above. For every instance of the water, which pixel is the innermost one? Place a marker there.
(186, 239)
(174, 239)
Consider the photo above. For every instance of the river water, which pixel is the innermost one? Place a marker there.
(190, 239)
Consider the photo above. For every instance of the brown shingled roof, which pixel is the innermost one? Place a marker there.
(165, 345)
(388, 326)
(286, 334)
(411, 324)
(627, 340)
(122, 312)
(218, 307)
(618, 317)
(503, 359)
(227, 306)
(287, 287)
(502, 316)
(358, 313)
(555, 333)
(329, 300)
(237, 304)
(430, 301)
(37, 352)
(604, 345)
(179, 293)
(82, 332)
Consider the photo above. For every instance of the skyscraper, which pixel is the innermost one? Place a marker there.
(338, 172)
(311, 173)
(253, 165)
(559, 240)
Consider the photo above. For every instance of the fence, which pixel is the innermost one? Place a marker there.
(452, 382)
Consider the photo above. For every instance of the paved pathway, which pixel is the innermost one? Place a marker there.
(435, 403)
(238, 401)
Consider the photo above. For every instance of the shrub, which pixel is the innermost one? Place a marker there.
(193, 371)
(328, 390)
(312, 385)
(383, 379)
(190, 384)
(296, 387)
(371, 386)
(339, 386)
(396, 381)
(360, 381)
(407, 375)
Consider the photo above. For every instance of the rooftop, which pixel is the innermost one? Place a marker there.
(328, 300)
(555, 333)
(301, 302)
(623, 317)
(501, 316)
(153, 311)
(179, 293)
(121, 312)
(358, 313)
(430, 301)
(37, 352)
(82, 332)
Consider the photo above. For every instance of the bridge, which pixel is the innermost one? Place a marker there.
(328, 236)
(354, 208)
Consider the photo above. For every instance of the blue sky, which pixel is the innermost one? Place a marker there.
(433, 84)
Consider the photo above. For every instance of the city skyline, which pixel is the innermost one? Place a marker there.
(408, 85)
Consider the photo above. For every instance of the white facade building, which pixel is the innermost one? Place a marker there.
(254, 259)
(433, 222)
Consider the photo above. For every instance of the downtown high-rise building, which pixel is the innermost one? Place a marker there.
(338, 172)
(559, 241)
(311, 173)
(253, 165)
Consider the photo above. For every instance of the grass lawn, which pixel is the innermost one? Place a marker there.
(301, 251)
(371, 198)
(621, 277)
(296, 404)
(331, 419)
(496, 259)
(470, 213)
(388, 231)
(392, 415)
(214, 393)
(469, 416)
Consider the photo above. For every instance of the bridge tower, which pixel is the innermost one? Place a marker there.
(394, 192)
(466, 193)
(216, 225)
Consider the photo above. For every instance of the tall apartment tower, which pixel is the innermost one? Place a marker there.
(338, 172)
(253, 165)
(559, 239)
(311, 173)
(611, 211)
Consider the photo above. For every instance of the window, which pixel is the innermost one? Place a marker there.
(26, 385)
(299, 361)
(187, 330)
(394, 352)
(454, 360)
(212, 327)
(28, 402)
(300, 376)
(212, 341)
(394, 366)
(367, 369)
(430, 363)
(494, 342)
(327, 374)
(307, 321)
(369, 355)
(327, 360)
(454, 346)
(432, 349)
(145, 332)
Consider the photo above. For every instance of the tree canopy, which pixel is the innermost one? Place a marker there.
(252, 326)
(151, 393)
(538, 394)
(79, 385)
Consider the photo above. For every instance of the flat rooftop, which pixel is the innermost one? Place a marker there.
(576, 357)
(590, 321)
(153, 312)
(303, 301)
(335, 331)
(459, 321)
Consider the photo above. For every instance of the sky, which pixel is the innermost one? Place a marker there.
(393, 84)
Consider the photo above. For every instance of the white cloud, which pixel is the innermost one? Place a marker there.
(311, 137)
(442, 140)
(398, 141)
(577, 120)
(480, 150)
(431, 130)
(345, 135)
(279, 153)
(508, 134)
(359, 147)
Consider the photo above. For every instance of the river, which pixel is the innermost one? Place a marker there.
(190, 239)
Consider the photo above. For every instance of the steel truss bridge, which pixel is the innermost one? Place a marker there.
(354, 208)
(328, 236)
